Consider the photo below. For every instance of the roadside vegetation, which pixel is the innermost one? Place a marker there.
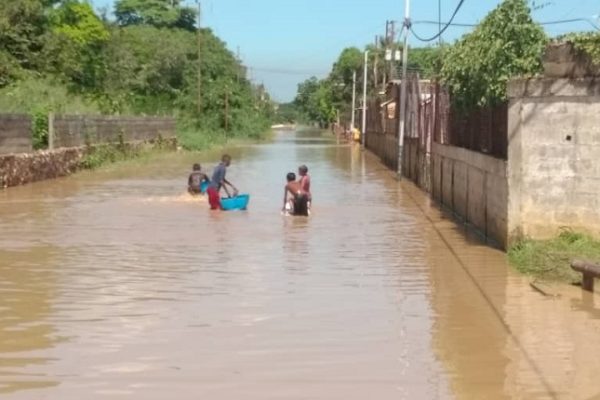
(550, 260)
(476, 68)
(63, 56)
(99, 155)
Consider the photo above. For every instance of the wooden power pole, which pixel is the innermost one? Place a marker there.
(199, 66)
(226, 110)
(375, 64)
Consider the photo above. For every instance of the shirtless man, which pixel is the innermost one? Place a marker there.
(305, 183)
(295, 200)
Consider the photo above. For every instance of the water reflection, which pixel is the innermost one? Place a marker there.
(296, 244)
(28, 288)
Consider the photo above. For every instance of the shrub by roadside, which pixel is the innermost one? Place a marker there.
(550, 260)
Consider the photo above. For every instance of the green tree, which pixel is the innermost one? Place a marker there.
(506, 44)
(425, 60)
(74, 48)
(159, 13)
(23, 24)
(587, 43)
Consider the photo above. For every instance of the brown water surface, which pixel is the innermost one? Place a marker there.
(116, 284)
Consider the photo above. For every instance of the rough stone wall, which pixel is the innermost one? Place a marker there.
(24, 168)
(554, 156)
(474, 187)
(15, 133)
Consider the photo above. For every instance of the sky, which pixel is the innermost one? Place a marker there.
(284, 42)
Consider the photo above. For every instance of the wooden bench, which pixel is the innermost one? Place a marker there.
(589, 270)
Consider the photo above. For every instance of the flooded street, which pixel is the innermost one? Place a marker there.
(116, 284)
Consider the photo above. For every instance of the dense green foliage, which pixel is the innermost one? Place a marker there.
(61, 56)
(551, 259)
(427, 61)
(158, 13)
(588, 44)
(506, 44)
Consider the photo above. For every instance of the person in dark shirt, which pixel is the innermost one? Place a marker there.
(295, 200)
(219, 182)
(195, 180)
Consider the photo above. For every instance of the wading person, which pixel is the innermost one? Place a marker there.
(305, 183)
(295, 200)
(195, 180)
(219, 182)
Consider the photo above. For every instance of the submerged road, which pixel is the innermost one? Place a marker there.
(116, 284)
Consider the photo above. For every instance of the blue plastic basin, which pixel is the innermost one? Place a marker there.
(239, 202)
(204, 186)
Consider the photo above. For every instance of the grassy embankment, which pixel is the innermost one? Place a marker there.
(550, 260)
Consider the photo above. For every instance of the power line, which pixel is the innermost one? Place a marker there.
(544, 23)
(286, 71)
(568, 21)
(441, 32)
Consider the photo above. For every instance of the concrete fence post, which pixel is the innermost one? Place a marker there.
(51, 131)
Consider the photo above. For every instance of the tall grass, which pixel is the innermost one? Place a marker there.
(550, 259)
(34, 95)
(209, 132)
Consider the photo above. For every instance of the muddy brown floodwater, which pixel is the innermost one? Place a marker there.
(115, 284)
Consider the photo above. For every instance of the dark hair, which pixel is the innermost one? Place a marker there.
(196, 167)
(303, 168)
(226, 157)
(291, 177)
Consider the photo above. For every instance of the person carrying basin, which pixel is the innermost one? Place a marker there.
(219, 182)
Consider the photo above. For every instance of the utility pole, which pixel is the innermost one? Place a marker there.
(239, 67)
(440, 22)
(375, 64)
(352, 120)
(386, 45)
(402, 118)
(199, 59)
(364, 106)
(226, 110)
(391, 45)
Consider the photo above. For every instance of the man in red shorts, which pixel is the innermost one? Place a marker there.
(219, 182)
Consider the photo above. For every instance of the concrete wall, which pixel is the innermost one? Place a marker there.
(554, 156)
(385, 146)
(15, 133)
(74, 131)
(474, 187)
(417, 163)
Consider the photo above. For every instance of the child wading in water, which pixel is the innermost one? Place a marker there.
(305, 184)
(219, 182)
(298, 203)
(195, 180)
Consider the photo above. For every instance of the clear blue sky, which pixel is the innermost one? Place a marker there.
(287, 41)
